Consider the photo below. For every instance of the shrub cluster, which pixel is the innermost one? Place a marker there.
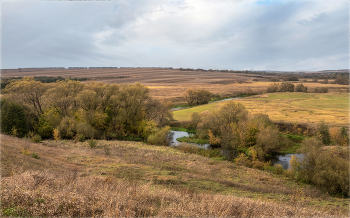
(231, 127)
(159, 137)
(326, 169)
(323, 133)
(321, 90)
(282, 87)
(292, 78)
(339, 136)
(300, 88)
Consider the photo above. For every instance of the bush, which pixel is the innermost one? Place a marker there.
(86, 130)
(292, 78)
(324, 168)
(107, 149)
(199, 96)
(272, 88)
(257, 164)
(278, 169)
(342, 80)
(323, 133)
(232, 112)
(80, 137)
(36, 156)
(268, 140)
(339, 136)
(92, 143)
(147, 128)
(300, 88)
(193, 149)
(344, 136)
(45, 129)
(242, 159)
(267, 165)
(160, 137)
(274, 79)
(36, 138)
(286, 87)
(67, 127)
(195, 119)
(56, 134)
(321, 90)
(214, 141)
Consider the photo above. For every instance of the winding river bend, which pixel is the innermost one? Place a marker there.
(282, 159)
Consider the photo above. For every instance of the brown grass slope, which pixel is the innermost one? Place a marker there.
(72, 180)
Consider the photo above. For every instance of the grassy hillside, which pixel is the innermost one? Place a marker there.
(312, 108)
(120, 178)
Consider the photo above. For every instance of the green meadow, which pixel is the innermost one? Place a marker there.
(311, 108)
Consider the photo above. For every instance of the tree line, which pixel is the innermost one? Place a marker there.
(74, 109)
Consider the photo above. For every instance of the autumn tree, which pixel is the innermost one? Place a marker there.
(197, 96)
(62, 96)
(286, 87)
(300, 88)
(28, 91)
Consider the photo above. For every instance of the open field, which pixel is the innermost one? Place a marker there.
(142, 75)
(156, 180)
(312, 108)
(171, 84)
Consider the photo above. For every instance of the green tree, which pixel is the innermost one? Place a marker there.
(323, 133)
(13, 116)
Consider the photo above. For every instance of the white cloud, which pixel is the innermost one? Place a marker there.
(279, 35)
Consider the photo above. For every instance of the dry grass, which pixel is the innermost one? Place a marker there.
(139, 179)
(44, 194)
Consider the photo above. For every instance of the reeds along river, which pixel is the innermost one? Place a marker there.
(282, 159)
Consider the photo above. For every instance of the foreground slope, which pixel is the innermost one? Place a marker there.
(135, 179)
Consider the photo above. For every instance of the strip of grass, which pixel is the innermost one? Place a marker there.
(291, 150)
(210, 153)
(183, 129)
(294, 138)
(192, 140)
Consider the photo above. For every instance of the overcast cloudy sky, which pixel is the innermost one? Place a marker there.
(234, 35)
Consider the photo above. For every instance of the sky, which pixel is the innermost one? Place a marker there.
(286, 35)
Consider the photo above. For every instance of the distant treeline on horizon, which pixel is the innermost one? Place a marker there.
(181, 69)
